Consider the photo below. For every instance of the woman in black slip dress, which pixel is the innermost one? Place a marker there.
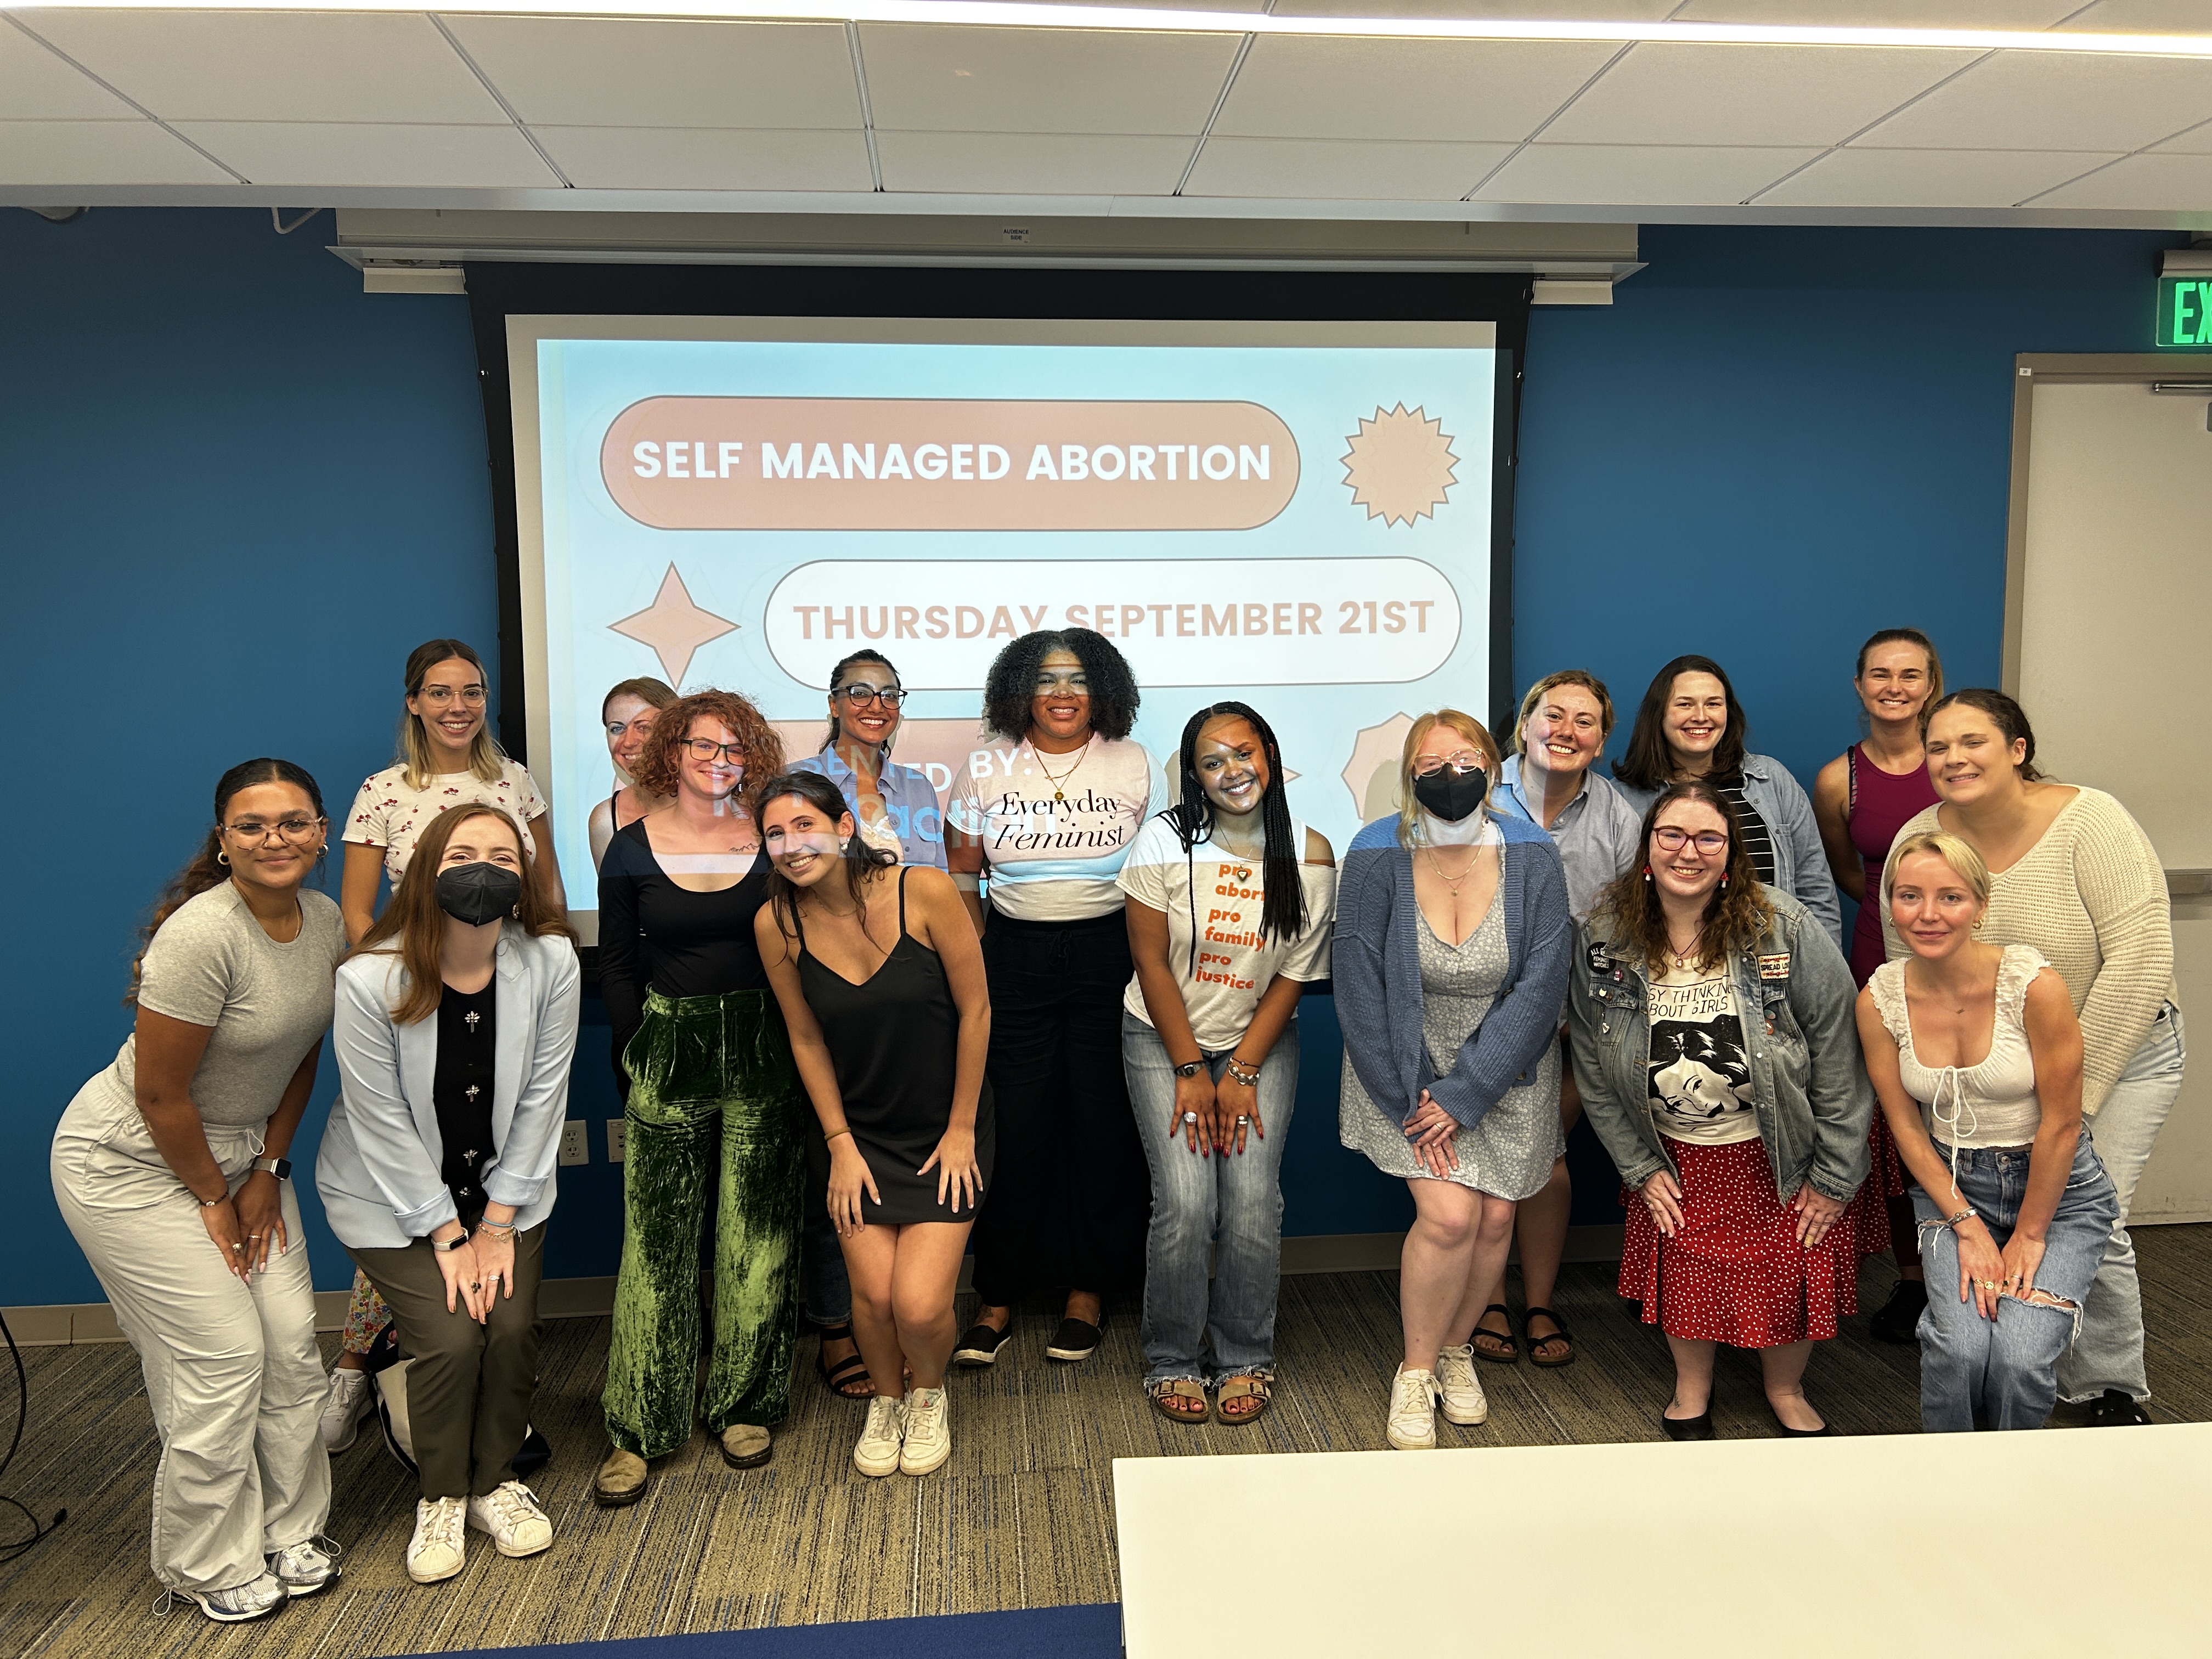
(880, 976)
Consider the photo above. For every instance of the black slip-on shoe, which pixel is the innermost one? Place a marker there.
(979, 1344)
(1076, 1338)
(1699, 1427)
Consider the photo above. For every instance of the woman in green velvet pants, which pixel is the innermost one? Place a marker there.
(712, 1098)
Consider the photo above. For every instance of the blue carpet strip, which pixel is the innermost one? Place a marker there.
(1084, 1632)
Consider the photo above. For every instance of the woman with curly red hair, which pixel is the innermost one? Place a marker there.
(701, 1047)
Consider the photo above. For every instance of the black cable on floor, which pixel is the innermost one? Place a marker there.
(9, 1551)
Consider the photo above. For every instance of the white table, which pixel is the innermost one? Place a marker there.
(2075, 1544)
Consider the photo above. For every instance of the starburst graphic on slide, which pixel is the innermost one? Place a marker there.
(674, 627)
(1372, 774)
(1400, 465)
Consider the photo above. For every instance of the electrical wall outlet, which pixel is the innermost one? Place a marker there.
(618, 1133)
(575, 1149)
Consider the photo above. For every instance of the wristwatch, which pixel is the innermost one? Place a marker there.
(1190, 1068)
(279, 1167)
(442, 1246)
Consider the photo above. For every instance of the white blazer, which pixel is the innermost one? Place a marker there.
(378, 1166)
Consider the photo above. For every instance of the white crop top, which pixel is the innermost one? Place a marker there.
(1989, 1104)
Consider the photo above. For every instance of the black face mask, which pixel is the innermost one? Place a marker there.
(478, 893)
(1450, 794)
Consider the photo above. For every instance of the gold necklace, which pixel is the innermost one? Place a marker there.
(1081, 755)
(1452, 887)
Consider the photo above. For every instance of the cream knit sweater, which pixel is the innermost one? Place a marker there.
(2091, 895)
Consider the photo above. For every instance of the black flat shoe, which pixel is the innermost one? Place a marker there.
(979, 1344)
(1898, 1320)
(1699, 1427)
(1789, 1433)
(1076, 1338)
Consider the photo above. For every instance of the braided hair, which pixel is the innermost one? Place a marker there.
(1283, 912)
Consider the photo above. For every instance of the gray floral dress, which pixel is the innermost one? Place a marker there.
(1509, 1153)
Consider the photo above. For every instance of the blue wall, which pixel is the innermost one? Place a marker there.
(235, 491)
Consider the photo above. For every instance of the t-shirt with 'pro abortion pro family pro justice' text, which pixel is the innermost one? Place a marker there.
(1055, 827)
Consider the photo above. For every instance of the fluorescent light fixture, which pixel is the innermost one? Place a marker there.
(1013, 14)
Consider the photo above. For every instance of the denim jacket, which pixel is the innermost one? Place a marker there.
(1811, 1095)
(1801, 863)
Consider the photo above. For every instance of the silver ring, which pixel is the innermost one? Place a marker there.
(1243, 1119)
(1190, 1117)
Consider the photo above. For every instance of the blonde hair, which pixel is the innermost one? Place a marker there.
(1965, 863)
(1551, 682)
(1468, 728)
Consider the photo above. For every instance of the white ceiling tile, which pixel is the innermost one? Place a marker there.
(1621, 175)
(1712, 94)
(133, 152)
(1883, 13)
(1032, 163)
(1929, 178)
(2198, 141)
(2146, 17)
(2040, 100)
(330, 153)
(641, 73)
(711, 158)
(1341, 170)
(1461, 91)
(275, 65)
(37, 86)
(1579, 11)
(2155, 184)
(924, 78)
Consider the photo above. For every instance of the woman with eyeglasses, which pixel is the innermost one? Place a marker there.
(172, 1171)
(628, 713)
(712, 1096)
(448, 758)
(456, 1028)
(895, 805)
(1717, 1054)
(1046, 810)
(1450, 962)
(1690, 725)
(2073, 875)
(1210, 1044)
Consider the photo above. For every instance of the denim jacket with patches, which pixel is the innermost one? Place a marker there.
(1810, 1090)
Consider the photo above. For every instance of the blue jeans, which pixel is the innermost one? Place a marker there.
(2006, 1368)
(2109, 1354)
(1235, 1199)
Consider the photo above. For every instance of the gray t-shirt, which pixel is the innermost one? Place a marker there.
(212, 965)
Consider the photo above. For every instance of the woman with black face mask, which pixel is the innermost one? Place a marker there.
(1452, 947)
(456, 1026)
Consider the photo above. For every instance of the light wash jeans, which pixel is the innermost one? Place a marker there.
(2005, 1367)
(2109, 1353)
(1236, 1198)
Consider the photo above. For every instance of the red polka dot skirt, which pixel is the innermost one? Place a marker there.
(1868, 1218)
(1733, 1271)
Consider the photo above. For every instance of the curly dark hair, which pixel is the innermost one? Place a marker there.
(1648, 765)
(1011, 683)
(1283, 912)
(657, 765)
(1736, 915)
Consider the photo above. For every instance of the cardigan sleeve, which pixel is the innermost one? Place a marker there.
(2122, 888)
(525, 1158)
(1526, 1017)
(1365, 892)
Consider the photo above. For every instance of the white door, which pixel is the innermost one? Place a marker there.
(2112, 657)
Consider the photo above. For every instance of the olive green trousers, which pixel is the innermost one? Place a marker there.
(712, 1089)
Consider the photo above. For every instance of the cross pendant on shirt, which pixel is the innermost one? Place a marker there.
(472, 1091)
(470, 1157)
(470, 1020)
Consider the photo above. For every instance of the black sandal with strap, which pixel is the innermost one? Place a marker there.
(839, 1377)
(1558, 1334)
(1512, 1354)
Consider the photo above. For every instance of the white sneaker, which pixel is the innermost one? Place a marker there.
(510, 1514)
(347, 1403)
(439, 1549)
(1413, 1422)
(877, 1453)
(928, 1432)
(304, 1568)
(257, 1600)
(1463, 1401)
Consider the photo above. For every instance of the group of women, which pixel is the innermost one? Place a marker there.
(1057, 1023)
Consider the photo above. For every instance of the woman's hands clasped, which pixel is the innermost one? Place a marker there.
(1430, 1128)
(260, 1208)
(1986, 1272)
(957, 1172)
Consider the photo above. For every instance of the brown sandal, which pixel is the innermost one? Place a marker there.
(1246, 1387)
(1186, 1389)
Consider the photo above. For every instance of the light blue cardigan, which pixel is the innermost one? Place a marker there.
(378, 1166)
(1375, 971)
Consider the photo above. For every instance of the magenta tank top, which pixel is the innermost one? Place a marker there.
(1881, 804)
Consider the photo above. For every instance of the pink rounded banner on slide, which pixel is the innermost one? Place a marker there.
(929, 464)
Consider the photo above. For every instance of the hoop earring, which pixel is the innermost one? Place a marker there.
(222, 857)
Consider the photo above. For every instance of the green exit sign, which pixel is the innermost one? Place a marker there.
(2185, 311)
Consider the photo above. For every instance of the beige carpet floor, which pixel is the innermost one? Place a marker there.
(1022, 1516)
